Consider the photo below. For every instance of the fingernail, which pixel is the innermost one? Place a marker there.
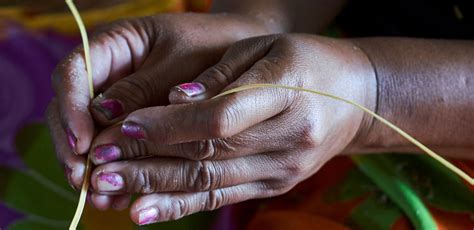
(133, 130)
(108, 182)
(72, 139)
(191, 89)
(148, 216)
(111, 108)
(106, 153)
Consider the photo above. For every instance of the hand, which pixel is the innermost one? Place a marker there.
(252, 144)
(135, 63)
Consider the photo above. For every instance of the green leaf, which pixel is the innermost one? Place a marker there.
(41, 189)
(377, 212)
(435, 183)
(38, 224)
(37, 150)
(383, 172)
(31, 193)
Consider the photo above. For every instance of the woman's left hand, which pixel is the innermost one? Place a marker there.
(190, 157)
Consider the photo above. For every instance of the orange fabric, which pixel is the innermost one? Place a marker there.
(283, 220)
(306, 207)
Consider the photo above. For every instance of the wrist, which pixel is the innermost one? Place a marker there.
(370, 101)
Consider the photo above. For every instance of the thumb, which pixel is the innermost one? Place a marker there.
(238, 58)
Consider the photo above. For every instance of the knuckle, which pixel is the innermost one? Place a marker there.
(134, 90)
(222, 73)
(309, 136)
(213, 149)
(222, 119)
(205, 150)
(265, 70)
(203, 176)
(143, 181)
(133, 148)
(120, 29)
(215, 200)
(179, 209)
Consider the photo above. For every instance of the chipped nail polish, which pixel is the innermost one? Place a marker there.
(107, 182)
(111, 108)
(133, 130)
(191, 89)
(106, 153)
(148, 216)
(72, 139)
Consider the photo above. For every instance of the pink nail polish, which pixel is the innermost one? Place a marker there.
(191, 89)
(107, 182)
(111, 108)
(133, 130)
(72, 139)
(148, 216)
(106, 153)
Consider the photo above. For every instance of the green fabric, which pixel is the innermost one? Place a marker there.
(382, 171)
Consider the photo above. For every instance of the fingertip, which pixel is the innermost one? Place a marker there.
(133, 130)
(143, 211)
(79, 134)
(101, 202)
(77, 173)
(121, 202)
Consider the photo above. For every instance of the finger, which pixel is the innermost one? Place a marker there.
(73, 164)
(101, 202)
(162, 207)
(110, 145)
(128, 94)
(174, 174)
(114, 54)
(237, 59)
(121, 202)
(218, 118)
(150, 85)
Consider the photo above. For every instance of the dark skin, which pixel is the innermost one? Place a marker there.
(257, 143)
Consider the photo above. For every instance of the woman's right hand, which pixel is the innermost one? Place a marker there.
(127, 59)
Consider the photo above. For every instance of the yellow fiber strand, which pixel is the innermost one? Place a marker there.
(411, 139)
(85, 41)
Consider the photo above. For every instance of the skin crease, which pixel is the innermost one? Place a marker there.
(126, 47)
(306, 131)
(135, 47)
(258, 143)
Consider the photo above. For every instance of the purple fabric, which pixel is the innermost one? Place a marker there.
(7, 216)
(27, 60)
(225, 219)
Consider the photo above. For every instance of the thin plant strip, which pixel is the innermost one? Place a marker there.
(411, 139)
(85, 41)
(85, 185)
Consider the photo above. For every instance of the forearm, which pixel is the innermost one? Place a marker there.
(426, 87)
(285, 15)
